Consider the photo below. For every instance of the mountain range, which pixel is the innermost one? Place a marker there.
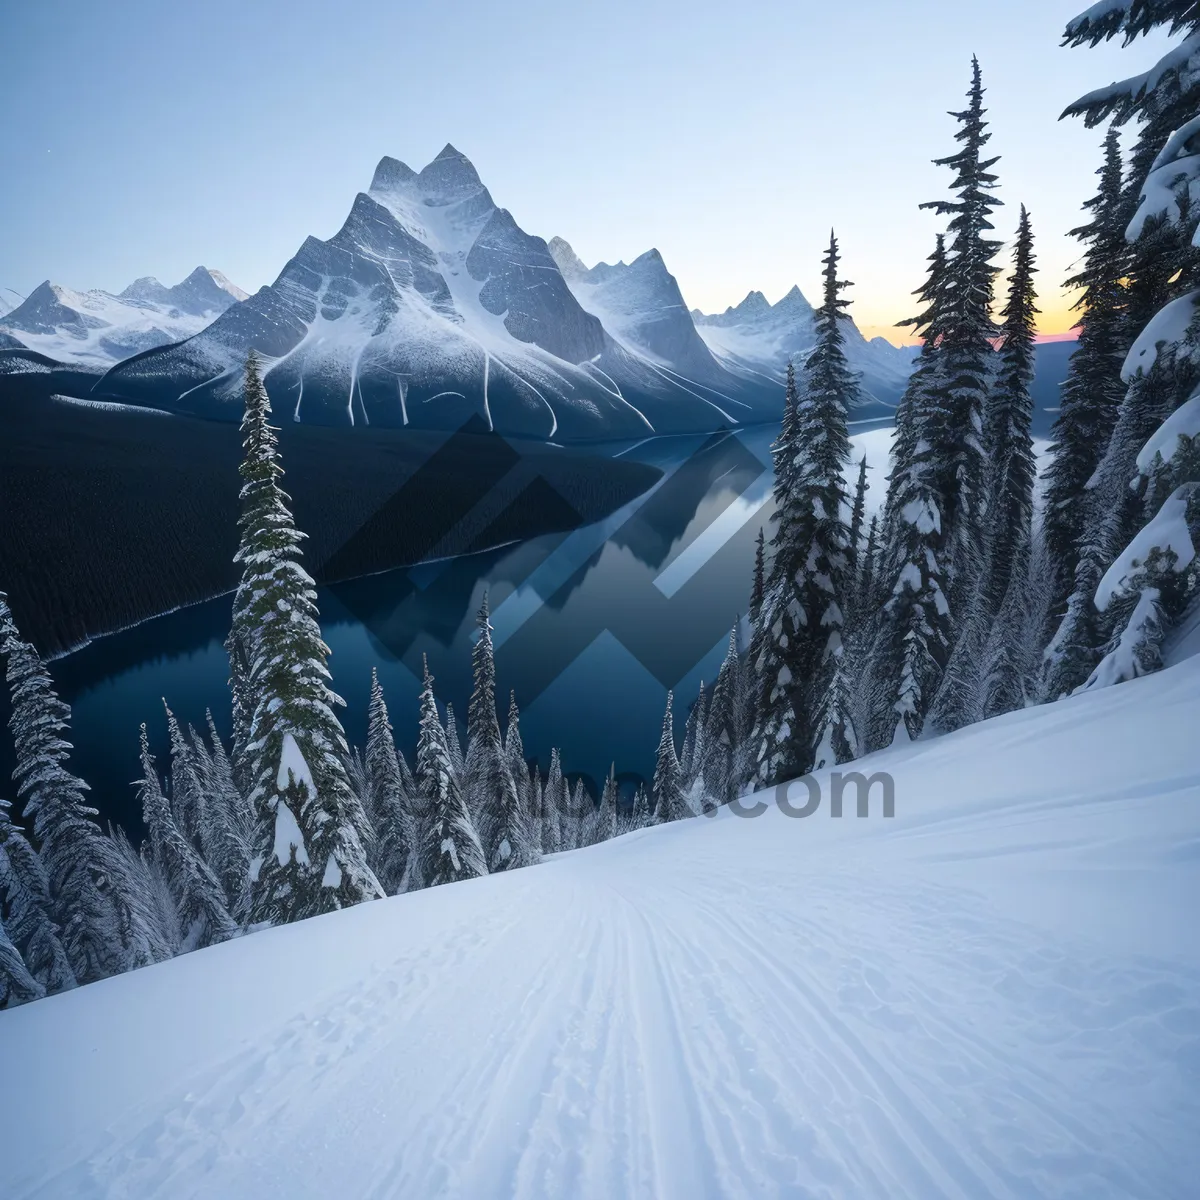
(99, 329)
(431, 305)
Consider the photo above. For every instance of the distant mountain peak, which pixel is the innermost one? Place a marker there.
(391, 174)
(569, 263)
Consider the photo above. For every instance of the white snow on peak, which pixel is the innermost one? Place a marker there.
(992, 993)
(96, 328)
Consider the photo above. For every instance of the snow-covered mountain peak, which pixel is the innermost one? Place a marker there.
(98, 328)
(569, 263)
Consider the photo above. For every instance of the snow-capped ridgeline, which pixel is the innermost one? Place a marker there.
(762, 338)
(431, 304)
(97, 328)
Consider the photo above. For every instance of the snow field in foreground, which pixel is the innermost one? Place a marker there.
(996, 993)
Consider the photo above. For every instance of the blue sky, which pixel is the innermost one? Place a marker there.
(148, 137)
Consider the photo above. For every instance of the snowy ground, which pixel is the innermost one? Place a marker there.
(996, 993)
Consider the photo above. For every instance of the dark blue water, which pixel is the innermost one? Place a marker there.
(591, 630)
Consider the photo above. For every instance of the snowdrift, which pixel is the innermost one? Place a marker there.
(994, 993)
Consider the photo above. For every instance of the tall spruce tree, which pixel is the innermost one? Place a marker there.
(723, 730)
(911, 634)
(203, 917)
(1093, 389)
(959, 460)
(229, 819)
(308, 853)
(1006, 580)
(858, 512)
(86, 904)
(503, 823)
(807, 591)
(1125, 618)
(17, 985)
(449, 847)
(25, 900)
(670, 802)
(388, 801)
(518, 768)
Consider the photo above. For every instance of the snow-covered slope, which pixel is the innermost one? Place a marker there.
(758, 337)
(995, 993)
(97, 328)
(640, 305)
(428, 306)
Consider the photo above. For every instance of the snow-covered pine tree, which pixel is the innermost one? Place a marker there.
(865, 593)
(723, 731)
(1133, 605)
(228, 819)
(807, 590)
(983, 676)
(449, 848)
(17, 985)
(25, 902)
(388, 806)
(1005, 587)
(602, 821)
(578, 816)
(203, 916)
(187, 789)
(454, 745)
(670, 803)
(758, 587)
(1093, 389)
(696, 718)
(308, 854)
(555, 799)
(642, 813)
(151, 904)
(493, 797)
(858, 511)
(85, 901)
(775, 715)
(959, 459)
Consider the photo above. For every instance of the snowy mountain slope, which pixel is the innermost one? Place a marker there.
(9, 300)
(995, 993)
(429, 305)
(759, 338)
(97, 328)
(640, 305)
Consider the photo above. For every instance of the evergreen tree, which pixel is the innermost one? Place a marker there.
(911, 634)
(74, 851)
(670, 803)
(857, 514)
(866, 573)
(959, 462)
(1006, 579)
(758, 588)
(387, 800)
(690, 764)
(151, 905)
(308, 853)
(554, 803)
(603, 821)
(503, 823)
(1125, 623)
(643, 811)
(449, 848)
(187, 791)
(1092, 392)
(25, 897)
(199, 900)
(806, 593)
(965, 694)
(17, 985)
(229, 820)
(723, 731)
(454, 746)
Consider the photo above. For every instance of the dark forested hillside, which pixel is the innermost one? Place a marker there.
(109, 516)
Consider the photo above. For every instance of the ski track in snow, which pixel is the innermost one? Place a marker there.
(994, 994)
